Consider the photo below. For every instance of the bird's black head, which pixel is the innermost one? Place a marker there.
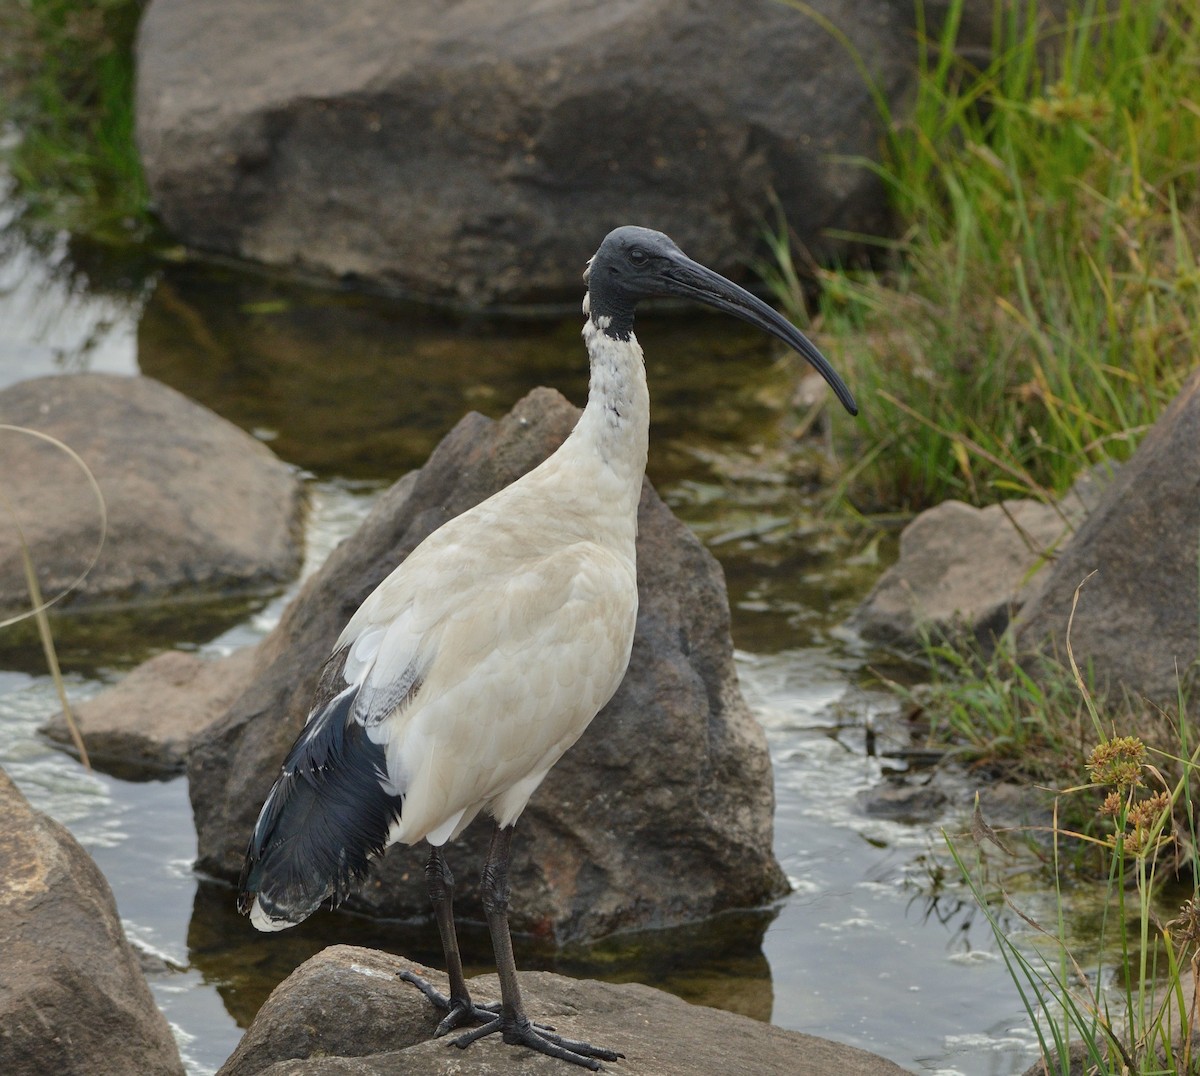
(630, 265)
(637, 263)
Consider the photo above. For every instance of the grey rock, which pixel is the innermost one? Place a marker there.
(661, 814)
(146, 723)
(73, 998)
(479, 151)
(344, 1011)
(902, 801)
(195, 506)
(962, 572)
(1136, 622)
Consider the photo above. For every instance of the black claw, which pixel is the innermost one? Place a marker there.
(519, 1032)
(459, 1012)
(531, 1036)
(462, 1012)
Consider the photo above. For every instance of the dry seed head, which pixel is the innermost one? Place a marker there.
(1146, 813)
(1062, 104)
(1186, 925)
(1112, 804)
(1118, 762)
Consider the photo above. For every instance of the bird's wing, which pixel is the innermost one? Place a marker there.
(476, 682)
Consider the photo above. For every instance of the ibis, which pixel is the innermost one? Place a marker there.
(469, 671)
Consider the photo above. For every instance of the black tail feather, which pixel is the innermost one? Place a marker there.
(325, 818)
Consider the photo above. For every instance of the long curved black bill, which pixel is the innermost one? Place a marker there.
(691, 280)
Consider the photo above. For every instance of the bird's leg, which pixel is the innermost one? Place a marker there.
(458, 1007)
(512, 1023)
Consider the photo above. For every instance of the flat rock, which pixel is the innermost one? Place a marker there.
(146, 723)
(73, 998)
(195, 506)
(964, 572)
(661, 814)
(1137, 619)
(479, 151)
(344, 1011)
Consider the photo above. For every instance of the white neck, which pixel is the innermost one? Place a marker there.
(616, 422)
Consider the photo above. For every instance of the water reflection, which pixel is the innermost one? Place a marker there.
(64, 306)
(364, 387)
(719, 963)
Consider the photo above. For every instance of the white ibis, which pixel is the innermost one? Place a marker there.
(482, 658)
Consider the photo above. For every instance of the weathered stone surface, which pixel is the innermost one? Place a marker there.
(480, 150)
(1136, 622)
(344, 1011)
(72, 996)
(195, 506)
(147, 722)
(960, 572)
(662, 813)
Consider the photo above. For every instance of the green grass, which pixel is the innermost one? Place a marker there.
(66, 72)
(1037, 311)
(1144, 1022)
(1131, 822)
(1002, 710)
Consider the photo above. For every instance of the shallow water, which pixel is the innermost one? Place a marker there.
(357, 390)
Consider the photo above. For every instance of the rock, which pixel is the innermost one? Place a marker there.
(346, 1003)
(661, 814)
(1080, 1061)
(195, 506)
(900, 801)
(479, 151)
(961, 573)
(72, 996)
(146, 723)
(1136, 623)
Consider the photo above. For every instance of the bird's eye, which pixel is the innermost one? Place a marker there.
(638, 256)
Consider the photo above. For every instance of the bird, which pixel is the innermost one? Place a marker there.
(482, 658)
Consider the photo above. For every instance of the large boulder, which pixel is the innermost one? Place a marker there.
(480, 150)
(195, 506)
(72, 995)
(1136, 623)
(662, 812)
(346, 1003)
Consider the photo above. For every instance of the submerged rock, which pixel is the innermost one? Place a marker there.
(1136, 624)
(146, 724)
(662, 813)
(900, 800)
(346, 1003)
(195, 507)
(73, 998)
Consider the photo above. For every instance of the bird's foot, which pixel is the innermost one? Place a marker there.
(521, 1032)
(460, 1012)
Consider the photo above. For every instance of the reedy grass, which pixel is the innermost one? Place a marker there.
(1037, 311)
(1133, 819)
(1145, 1023)
(67, 75)
(998, 708)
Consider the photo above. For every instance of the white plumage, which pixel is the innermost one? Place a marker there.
(481, 659)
